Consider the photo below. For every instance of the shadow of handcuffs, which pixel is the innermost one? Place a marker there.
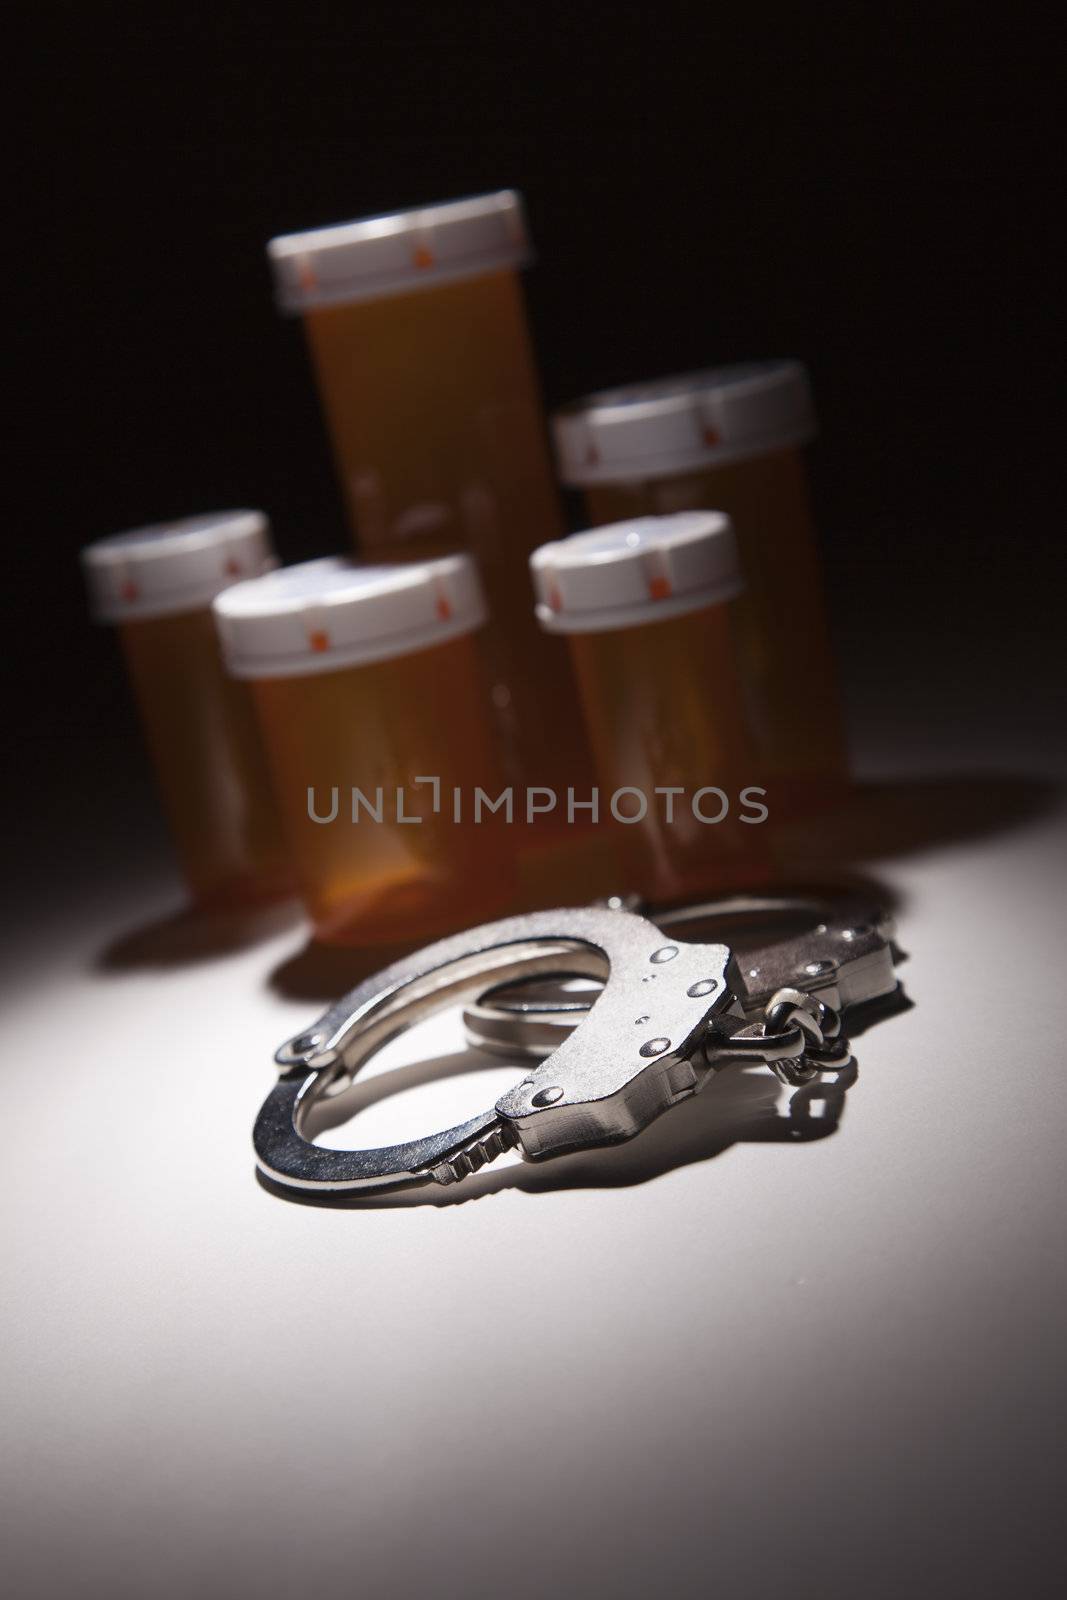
(665, 1016)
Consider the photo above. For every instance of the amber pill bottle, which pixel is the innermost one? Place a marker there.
(369, 689)
(731, 439)
(418, 336)
(645, 606)
(156, 586)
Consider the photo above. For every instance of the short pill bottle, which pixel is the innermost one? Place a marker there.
(418, 336)
(645, 606)
(368, 685)
(731, 439)
(156, 586)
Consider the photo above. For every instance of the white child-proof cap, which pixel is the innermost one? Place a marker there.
(400, 251)
(174, 566)
(680, 424)
(630, 573)
(335, 612)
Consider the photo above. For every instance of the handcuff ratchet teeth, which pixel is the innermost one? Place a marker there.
(669, 1014)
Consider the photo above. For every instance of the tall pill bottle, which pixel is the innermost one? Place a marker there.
(731, 439)
(369, 689)
(418, 336)
(155, 585)
(645, 606)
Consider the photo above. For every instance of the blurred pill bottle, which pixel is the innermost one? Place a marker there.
(156, 586)
(645, 606)
(730, 439)
(418, 336)
(368, 685)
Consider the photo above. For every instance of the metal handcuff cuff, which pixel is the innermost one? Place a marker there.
(670, 1014)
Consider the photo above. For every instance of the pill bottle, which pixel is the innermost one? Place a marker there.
(731, 439)
(156, 585)
(369, 690)
(418, 337)
(645, 606)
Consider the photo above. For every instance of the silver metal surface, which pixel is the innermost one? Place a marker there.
(666, 1017)
(629, 1062)
(844, 956)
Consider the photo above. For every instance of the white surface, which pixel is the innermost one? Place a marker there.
(338, 612)
(401, 250)
(172, 567)
(684, 423)
(799, 1368)
(628, 573)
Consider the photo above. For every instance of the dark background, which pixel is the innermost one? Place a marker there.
(866, 188)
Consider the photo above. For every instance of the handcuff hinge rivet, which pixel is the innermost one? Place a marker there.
(655, 1047)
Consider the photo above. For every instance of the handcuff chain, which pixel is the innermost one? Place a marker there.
(798, 1037)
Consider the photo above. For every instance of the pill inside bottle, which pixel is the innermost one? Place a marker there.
(155, 585)
(369, 688)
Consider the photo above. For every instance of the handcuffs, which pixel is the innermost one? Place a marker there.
(670, 1014)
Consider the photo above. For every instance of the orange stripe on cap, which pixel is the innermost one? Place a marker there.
(319, 640)
(659, 588)
(422, 256)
